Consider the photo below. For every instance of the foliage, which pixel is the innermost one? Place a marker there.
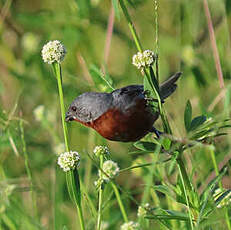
(176, 174)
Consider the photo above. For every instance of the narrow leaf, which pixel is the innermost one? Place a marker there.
(196, 122)
(145, 146)
(187, 115)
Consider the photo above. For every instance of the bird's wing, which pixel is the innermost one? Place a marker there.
(126, 97)
(169, 86)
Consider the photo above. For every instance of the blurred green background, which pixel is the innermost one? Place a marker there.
(26, 83)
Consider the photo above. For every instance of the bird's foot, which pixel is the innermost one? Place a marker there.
(157, 132)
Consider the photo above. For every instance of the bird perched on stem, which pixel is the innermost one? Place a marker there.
(124, 115)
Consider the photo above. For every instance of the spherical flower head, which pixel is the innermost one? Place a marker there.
(69, 160)
(53, 51)
(225, 201)
(39, 113)
(148, 57)
(110, 169)
(131, 225)
(101, 150)
(143, 210)
(144, 59)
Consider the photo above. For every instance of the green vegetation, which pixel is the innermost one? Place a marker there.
(179, 181)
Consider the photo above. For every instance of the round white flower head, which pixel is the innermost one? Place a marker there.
(144, 59)
(69, 160)
(225, 201)
(39, 112)
(131, 225)
(143, 210)
(101, 150)
(53, 51)
(111, 169)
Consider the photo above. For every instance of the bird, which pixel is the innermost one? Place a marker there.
(123, 115)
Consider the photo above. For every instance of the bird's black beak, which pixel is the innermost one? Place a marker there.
(69, 117)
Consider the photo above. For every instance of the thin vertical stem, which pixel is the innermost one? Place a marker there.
(214, 45)
(184, 173)
(109, 35)
(147, 75)
(156, 39)
(212, 153)
(100, 194)
(73, 183)
(183, 179)
(28, 171)
(131, 26)
(58, 72)
(122, 209)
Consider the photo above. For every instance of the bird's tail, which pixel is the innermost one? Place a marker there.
(169, 86)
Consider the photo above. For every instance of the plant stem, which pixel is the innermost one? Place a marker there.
(147, 75)
(184, 173)
(122, 209)
(130, 25)
(28, 171)
(58, 73)
(184, 178)
(100, 195)
(73, 183)
(212, 153)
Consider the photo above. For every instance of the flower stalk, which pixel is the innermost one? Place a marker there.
(99, 219)
(117, 194)
(72, 180)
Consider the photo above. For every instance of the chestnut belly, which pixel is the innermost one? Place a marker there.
(129, 126)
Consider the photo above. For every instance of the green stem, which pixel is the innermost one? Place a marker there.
(58, 73)
(28, 171)
(157, 39)
(212, 153)
(130, 25)
(73, 183)
(122, 209)
(184, 173)
(167, 128)
(183, 177)
(100, 195)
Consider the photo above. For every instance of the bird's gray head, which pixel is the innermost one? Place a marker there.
(88, 106)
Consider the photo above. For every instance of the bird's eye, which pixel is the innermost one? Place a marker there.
(74, 108)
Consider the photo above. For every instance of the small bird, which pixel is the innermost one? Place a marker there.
(123, 115)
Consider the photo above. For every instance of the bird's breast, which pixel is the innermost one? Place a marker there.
(129, 125)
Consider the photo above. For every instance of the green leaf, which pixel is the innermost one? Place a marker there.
(101, 80)
(207, 191)
(166, 142)
(188, 116)
(145, 145)
(165, 190)
(223, 196)
(196, 122)
(168, 217)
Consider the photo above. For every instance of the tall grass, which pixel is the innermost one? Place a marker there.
(178, 174)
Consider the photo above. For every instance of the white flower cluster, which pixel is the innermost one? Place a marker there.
(111, 170)
(53, 51)
(69, 160)
(131, 225)
(143, 210)
(144, 59)
(225, 201)
(101, 150)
